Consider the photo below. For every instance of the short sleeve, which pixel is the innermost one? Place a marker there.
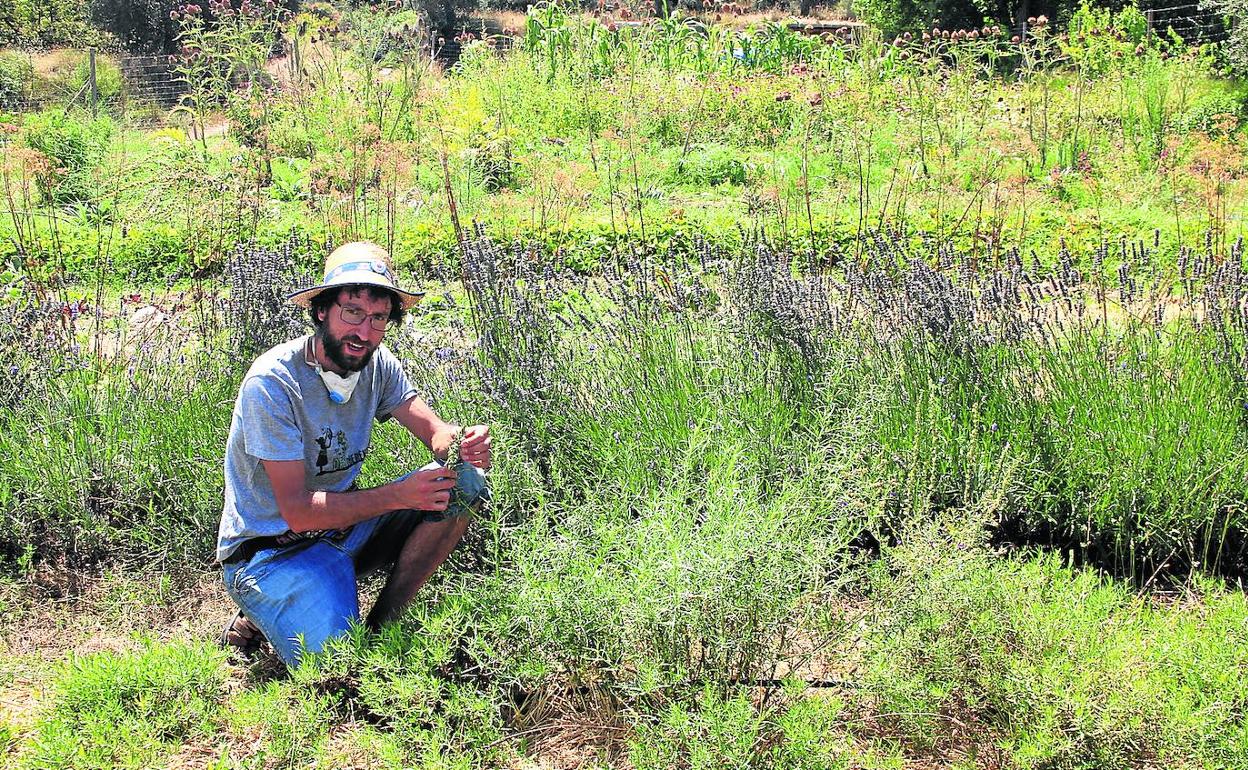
(270, 430)
(395, 388)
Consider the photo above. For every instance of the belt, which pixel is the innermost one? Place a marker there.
(252, 546)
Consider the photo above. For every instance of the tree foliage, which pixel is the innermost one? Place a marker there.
(43, 23)
(1235, 47)
(140, 25)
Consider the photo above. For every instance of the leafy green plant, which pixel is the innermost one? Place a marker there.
(290, 179)
(224, 47)
(1021, 648)
(16, 77)
(711, 165)
(107, 81)
(716, 732)
(74, 145)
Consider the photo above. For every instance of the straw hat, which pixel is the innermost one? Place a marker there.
(357, 264)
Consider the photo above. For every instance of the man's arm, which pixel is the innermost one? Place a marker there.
(305, 509)
(421, 421)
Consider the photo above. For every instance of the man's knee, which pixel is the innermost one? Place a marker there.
(472, 487)
(450, 526)
(298, 600)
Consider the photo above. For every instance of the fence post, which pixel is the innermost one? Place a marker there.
(91, 84)
(1149, 14)
(296, 58)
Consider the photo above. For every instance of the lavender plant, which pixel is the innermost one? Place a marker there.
(258, 279)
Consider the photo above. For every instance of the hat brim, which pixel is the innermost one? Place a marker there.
(303, 298)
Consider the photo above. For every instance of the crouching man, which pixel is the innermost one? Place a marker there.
(296, 531)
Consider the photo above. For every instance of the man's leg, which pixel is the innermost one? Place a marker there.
(426, 540)
(425, 550)
(299, 596)
(242, 634)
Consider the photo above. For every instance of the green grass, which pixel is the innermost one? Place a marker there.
(1049, 666)
(955, 652)
(111, 710)
(720, 483)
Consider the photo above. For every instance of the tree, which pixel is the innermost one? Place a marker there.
(1234, 12)
(140, 25)
(28, 23)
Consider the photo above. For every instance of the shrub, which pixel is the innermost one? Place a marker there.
(1098, 37)
(443, 15)
(16, 77)
(491, 160)
(716, 733)
(711, 165)
(46, 23)
(156, 250)
(1217, 115)
(107, 80)
(74, 146)
(1236, 45)
(899, 15)
(139, 24)
(1022, 649)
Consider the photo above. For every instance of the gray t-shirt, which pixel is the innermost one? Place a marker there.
(283, 412)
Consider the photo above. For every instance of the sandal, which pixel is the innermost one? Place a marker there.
(233, 640)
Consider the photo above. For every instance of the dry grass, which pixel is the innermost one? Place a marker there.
(570, 727)
(55, 615)
(513, 20)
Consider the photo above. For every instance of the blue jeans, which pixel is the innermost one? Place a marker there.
(304, 594)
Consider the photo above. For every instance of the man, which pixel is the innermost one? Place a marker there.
(295, 530)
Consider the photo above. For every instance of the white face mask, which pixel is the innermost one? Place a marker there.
(340, 388)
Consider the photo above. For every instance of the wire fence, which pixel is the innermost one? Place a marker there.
(151, 80)
(1194, 21)
(142, 87)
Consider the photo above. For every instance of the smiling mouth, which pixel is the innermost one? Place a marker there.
(354, 348)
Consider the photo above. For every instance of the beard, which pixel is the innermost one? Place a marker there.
(336, 351)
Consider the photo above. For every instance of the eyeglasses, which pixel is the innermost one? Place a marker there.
(355, 316)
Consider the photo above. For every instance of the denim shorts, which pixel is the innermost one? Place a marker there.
(303, 594)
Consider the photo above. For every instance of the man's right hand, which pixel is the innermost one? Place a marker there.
(428, 490)
(305, 510)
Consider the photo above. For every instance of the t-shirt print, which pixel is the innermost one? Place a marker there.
(334, 455)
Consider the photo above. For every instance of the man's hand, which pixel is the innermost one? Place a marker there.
(474, 449)
(428, 490)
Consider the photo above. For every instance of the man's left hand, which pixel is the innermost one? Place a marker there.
(475, 448)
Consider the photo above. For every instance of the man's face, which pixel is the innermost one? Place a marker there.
(350, 347)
